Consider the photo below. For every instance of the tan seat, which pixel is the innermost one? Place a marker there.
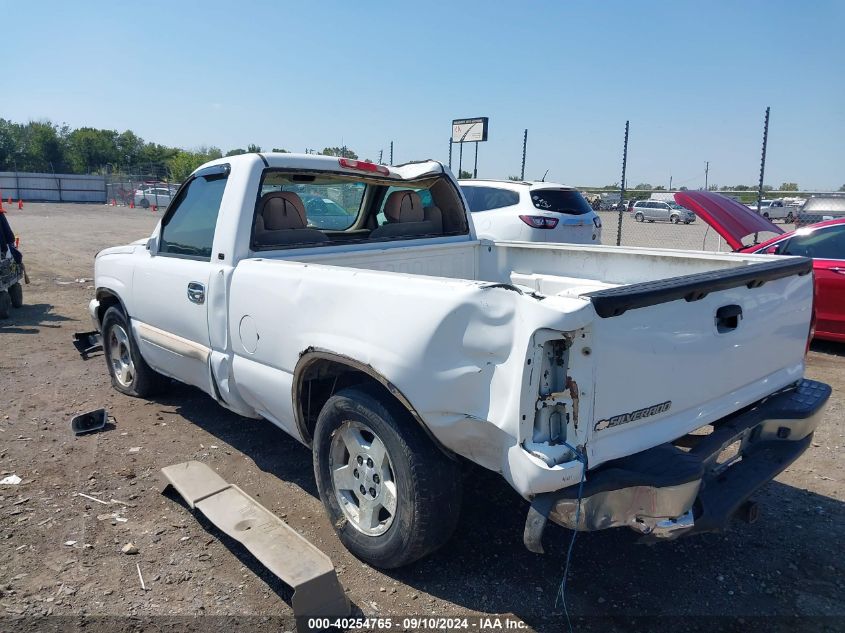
(281, 220)
(405, 216)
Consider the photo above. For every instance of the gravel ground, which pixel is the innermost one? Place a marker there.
(61, 553)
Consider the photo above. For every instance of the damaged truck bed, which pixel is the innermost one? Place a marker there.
(351, 305)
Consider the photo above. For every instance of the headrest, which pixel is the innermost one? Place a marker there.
(282, 210)
(404, 206)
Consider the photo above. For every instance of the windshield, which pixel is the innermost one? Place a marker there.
(560, 201)
(330, 203)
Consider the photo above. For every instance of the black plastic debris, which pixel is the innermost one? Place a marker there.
(89, 422)
(87, 343)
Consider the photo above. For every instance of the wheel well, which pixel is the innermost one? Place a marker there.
(318, 378)
(107, 300)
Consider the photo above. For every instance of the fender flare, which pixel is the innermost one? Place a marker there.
(314, 354)
(103, 291)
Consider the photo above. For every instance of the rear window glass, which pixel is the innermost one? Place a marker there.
(487, 198)
(330, 204)
(560, 201)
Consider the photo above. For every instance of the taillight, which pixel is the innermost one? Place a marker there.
(812, 331)
(597, 222)
(362, 165)
(539, 221)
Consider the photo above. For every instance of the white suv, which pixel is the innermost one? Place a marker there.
(530, 212)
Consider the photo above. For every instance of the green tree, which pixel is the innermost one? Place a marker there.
(90, 149)
(465, 174)
(515, 178)
(789, 186)
(40, 147)
(343, 152)
(643, 186)
(129, 147)
(279, 150)
(235, 152)
(253, 149)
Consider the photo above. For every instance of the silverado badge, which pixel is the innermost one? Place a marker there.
(639, 414)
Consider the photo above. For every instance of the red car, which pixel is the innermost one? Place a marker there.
(823, 242)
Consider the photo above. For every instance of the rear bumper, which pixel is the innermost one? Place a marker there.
(666, 491)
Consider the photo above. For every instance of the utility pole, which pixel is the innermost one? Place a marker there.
(450, 153)
(763, 163)
(475, 166)
(622, 187)
(380, 156)
(706, 175)
(670, 182)
(391, 152)
(524, 147)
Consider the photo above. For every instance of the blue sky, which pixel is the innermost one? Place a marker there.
(694, 79)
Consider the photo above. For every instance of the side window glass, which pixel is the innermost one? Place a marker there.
(188, 229)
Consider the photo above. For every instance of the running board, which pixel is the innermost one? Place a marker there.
(87, 343)
(291, 557)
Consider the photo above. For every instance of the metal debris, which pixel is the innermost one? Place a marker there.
(286, 553)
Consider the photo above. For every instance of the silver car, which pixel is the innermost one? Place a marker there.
(146, 197)
(657, 210)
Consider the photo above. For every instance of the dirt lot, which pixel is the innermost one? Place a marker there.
(60, 555)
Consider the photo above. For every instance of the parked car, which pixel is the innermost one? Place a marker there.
(325, 213)
(775, 210)
(819, 209)
(660, 211)
(158, 196)
(823, 242)
(531, 212)
(396, 349)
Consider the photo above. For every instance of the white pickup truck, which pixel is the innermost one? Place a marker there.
(604, 383)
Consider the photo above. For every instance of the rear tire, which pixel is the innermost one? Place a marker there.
(145, 204)
(16, 294)
(789, 218)
(391, 495)
(129, 372)
(675, 219)
(5, 304)
(638, 217)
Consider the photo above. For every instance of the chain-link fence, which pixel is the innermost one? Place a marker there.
(141, 186)
(653, 219)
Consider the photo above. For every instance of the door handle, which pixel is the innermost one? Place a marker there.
(196, 292)
(728, 318)
(837, 269)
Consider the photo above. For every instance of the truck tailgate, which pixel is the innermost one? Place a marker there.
(672, 356)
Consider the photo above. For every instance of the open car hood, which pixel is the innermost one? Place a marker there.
(729, 218)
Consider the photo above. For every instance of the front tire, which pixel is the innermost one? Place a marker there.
(145, 204)
(16, 294)
(5, 304)
(129, 372)
(789, 218)
(391, 494)
(638, 217)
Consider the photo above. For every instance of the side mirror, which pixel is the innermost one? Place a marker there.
(152, 244)
(774, 249)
